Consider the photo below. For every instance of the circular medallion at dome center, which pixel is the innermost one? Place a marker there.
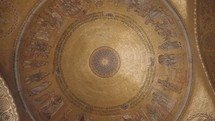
(104, 62)
(114, 68)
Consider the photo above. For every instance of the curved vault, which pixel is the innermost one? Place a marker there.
(103, 60)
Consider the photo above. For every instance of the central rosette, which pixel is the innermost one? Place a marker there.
(104, 62)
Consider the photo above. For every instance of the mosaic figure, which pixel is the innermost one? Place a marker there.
(34, 63)
(50, 20)
(169, 86)
(40, 88)
(152, 15)
(41, 34)
(43, 98)
(39, 49)
(161, 106)
(169, 45)
(131, 4)
(156, 16)
(167, 59)
(146, 7)
(152, 113)
(164, 29)
(51, 107)
(36, 77)
(148, 10)
(69, 7)
(162, 102)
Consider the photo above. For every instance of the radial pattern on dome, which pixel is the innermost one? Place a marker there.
(103, 61)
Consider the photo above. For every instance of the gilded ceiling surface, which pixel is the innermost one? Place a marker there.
(106, 60)
(105, 56)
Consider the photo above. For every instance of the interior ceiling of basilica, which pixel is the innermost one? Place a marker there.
(107, 60)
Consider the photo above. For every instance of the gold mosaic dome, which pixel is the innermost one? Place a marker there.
(112, 60)
(102, 60)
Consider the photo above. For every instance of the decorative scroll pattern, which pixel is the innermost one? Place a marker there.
(8, 110)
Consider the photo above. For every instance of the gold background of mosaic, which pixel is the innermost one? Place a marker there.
(199, 24)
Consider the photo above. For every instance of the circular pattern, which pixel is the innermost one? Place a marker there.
(2, 93)
(8, 110)
(110, 62)
(71, 43)
(104, 62)
(7, 116)
(4, 104)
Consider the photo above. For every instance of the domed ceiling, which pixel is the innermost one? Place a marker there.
(84, 60)
(112, 60)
